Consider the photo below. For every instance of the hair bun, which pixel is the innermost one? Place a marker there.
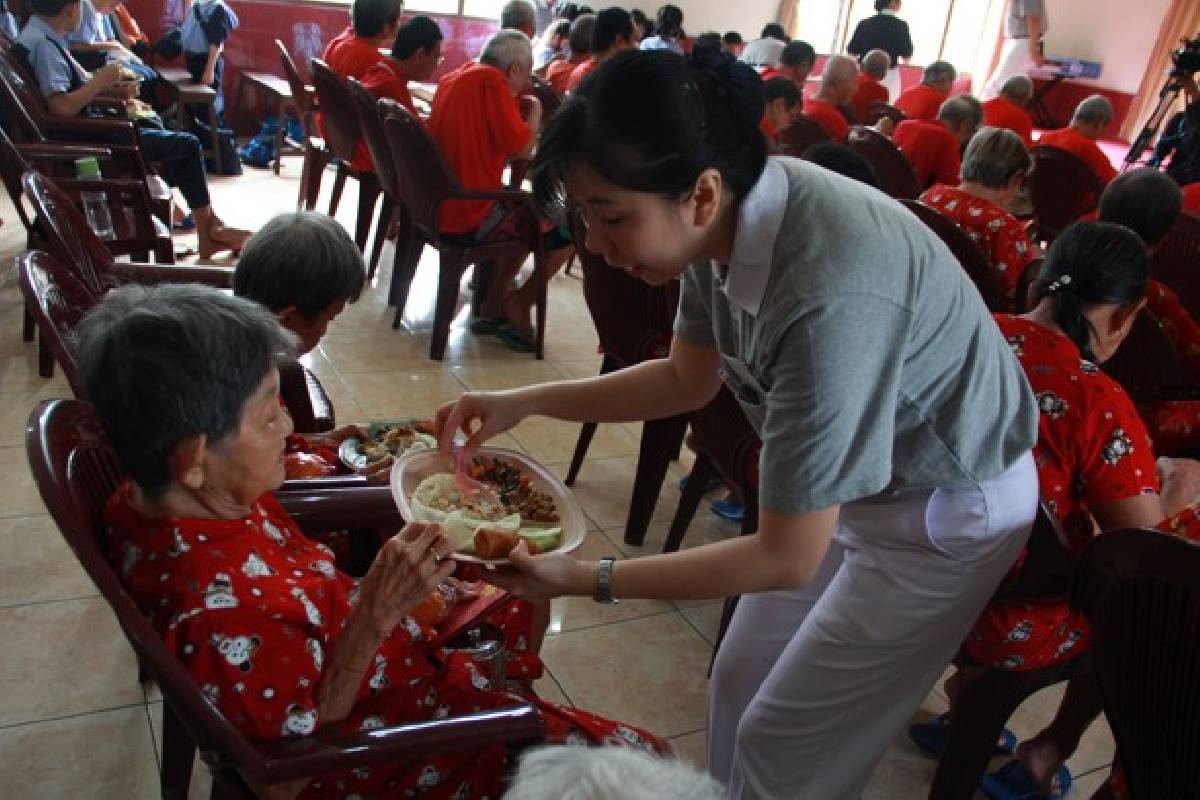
(738, 85)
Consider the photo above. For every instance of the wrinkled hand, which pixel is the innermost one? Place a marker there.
(1180, 478)
(542, 577)
(885, 126)
(379, 473)
(407, 568)
(335, 437)
(493, 411)
(107, 75)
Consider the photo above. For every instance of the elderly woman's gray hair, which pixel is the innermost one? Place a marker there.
(607, 773)
(505, 48)
(518, 15)
(839, 71)
(171, 362)
(876, 63)
(961, 108)
(1096, 109)
(994, 157)
(939, 71)
(300, 259)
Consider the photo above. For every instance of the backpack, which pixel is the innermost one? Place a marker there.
(260, 151)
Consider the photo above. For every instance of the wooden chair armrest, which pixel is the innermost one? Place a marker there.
(334, 509)
(330, 482)
(53, 151)
(118, 131)
(150, 274)
(107, 103)
(337, 751)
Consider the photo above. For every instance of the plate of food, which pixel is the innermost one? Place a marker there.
(521, 501)
(386, 440)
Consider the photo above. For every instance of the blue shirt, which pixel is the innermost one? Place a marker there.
(216, 20)
(8, 24)
(659, 43)
(52, 66)
(92, 27)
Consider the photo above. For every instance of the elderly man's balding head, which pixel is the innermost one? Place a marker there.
(510, 52)
(876, 64)
(1018, 89)
(962, 115)
(1092, 116)
(519, 15)
(839, 80)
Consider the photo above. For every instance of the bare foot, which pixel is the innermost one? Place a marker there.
(220, 237)
(1041, 759)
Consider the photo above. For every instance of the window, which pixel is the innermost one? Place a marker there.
(953, 30)
(482, 9)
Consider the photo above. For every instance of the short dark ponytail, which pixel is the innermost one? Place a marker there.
(1089, 264)
(652, 121)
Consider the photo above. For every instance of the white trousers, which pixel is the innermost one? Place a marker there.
(1014, 60)
(891, 82)
(810, 686)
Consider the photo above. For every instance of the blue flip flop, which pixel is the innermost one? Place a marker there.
(188, 223)
(727, 509)
(1013, 782)
(930, 737)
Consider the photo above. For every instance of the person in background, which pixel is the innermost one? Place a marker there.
(612, 32)
(8, 22)
(709, 40)
(545, 15)
(607, 773)
(933, 146)
(1009, 108)
(69, 89)
(552, 45)
(478, 125)
(994, 168)
(796, 61)
(668, 30)
(1092, 116)
(767, 48)
(95, 41)
(520, 15)
(205, 29)
(642, 26)
(842, 160)
(923, 100)
(870, 90)
(1025, 25)
(783, 103)
(839, 81)
(732, 43)
(416, 53)
(129, 32)
(373, 24)
(558, 74)
(884, 31)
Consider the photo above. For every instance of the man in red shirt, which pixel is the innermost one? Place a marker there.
(924, 100)
(795, 63)
(1092, 116)
(1008, 110)
(933, 146)
(478, 125)
(416, 53)
(612, 32)
(558, 74)
(1191, 199)
(839, 80)
(870, 89)
(782, 105)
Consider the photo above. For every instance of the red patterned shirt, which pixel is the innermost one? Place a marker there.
(997, 232)
(1092, 450)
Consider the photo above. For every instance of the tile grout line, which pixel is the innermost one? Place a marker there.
(26, 723)
(26, 604)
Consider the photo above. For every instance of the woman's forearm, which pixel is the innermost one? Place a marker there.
(210, 66)
(345, 667)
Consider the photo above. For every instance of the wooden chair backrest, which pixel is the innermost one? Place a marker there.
(892, 168)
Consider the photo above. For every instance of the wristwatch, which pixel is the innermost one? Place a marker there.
(604, 592)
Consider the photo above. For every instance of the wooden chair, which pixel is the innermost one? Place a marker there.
(425, 182)
(194, 96)
(879, 109)
(342, 134)
(306, 400)
(987, 697)
(1141, 592)
(550, 101)
(370, 123)
(633, 321)
(316, 153)
(76, 472)
(973, 260)
(58, 300)
(896, 175)
(271, 89)
(1024, 299)
(1176, 262)
(1063, 188)
(1147, 365)
(801, 134)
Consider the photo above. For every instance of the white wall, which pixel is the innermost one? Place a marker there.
(1117, 33)
(747, 17)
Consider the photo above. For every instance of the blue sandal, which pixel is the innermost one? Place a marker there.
(727, 509)
(1013, 782)
(930, 737)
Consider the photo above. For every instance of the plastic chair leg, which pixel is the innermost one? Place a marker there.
(409, 246)
(586, 432)
(447, 301)
(689, 501)
(339, 185)
(368, 194)
(387, 210)
(45, 358)
(27, 326)
(178, 755)
(660, 440)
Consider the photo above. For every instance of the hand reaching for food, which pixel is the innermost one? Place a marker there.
(494, 413)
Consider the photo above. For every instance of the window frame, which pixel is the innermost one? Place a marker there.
(842, 31)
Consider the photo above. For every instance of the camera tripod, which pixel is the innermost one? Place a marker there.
(1166, 98)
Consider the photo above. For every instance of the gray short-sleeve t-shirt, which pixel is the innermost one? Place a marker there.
(1016, 22)
(858, 347)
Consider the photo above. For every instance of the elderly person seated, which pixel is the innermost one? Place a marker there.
(933, 146)
(782, 104)
(478, 125)
(796, 61)
(839, 82)
(994, 169)
(870, 88)
(416, 53)
(606, 773)
(766, 50)
(923, 100)
(184, 381)
(519, 15)
(559, 73)
(1010, 108)
(1092, 116)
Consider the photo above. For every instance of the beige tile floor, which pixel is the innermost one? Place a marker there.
(73, 720)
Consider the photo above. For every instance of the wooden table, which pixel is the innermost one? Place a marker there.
(271, 88)
(194, 93)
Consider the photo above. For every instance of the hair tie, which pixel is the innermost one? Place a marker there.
(1059, 284)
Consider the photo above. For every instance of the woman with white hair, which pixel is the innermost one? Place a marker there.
(607, 773)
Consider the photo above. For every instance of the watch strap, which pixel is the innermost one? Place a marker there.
(604, 593)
